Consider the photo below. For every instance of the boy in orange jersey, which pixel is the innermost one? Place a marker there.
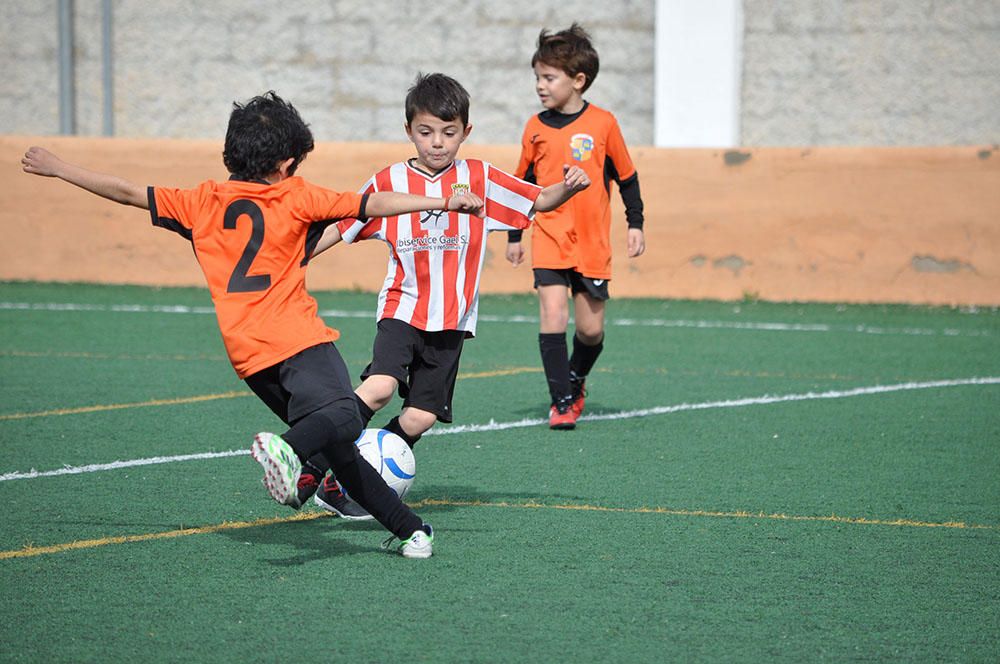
(252, 236)
(571, 248)
(429, 301)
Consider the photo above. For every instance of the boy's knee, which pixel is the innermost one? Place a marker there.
(590, 337)
(344, 424)
(378, 390)
(417, 421)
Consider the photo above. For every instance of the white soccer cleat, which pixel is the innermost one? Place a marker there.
(281, 467)
(420, 544)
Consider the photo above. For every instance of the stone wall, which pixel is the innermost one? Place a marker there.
(815, 72)
(871, 72)
(345, 64)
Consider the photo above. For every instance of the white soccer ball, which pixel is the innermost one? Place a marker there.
(389, 454)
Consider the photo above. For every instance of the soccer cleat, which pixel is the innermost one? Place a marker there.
(281, 465)
(305, 489)
(579, 391)
(331, 497)
(561, 415)
(419, 545)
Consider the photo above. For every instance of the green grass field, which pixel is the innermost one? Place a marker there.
(751, 482)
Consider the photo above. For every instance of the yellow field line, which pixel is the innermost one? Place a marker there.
(120, 406)
(833, 518)
(83, 355)
(212, 397)
(30, 551)
(500, 372)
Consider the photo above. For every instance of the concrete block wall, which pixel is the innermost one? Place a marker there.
(179, 64)
(871, 72)
(815, 72)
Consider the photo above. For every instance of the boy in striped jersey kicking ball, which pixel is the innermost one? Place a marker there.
(430, 298)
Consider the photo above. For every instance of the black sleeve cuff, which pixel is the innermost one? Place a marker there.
(514, 236)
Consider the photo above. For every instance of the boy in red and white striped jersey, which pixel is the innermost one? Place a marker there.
(429, 301)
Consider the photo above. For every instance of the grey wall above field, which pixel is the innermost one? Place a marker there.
(814, 72)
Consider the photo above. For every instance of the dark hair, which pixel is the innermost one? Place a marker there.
(569, 50)
(263, 133)
(440, 95)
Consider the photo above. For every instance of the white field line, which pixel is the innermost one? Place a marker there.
(531, 422)
(618, 322)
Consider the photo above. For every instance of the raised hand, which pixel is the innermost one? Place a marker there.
(40, 161)
(575, 178)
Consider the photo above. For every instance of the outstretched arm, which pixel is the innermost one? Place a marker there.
(40, 161)
(574, 180)
(331, 236)
(391, 203)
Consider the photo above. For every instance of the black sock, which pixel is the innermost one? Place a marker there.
(394, 427)
(555, 361)
(583, 358)
(366, 413)
(331, 432)
(368, 489)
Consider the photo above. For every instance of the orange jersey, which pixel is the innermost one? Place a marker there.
(577, 234)
(250, 241)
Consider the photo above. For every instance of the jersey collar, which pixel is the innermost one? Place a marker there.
(557, 120)
(427, 176)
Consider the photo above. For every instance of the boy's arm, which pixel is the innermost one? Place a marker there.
(574, 180)
(549, 198)
(391, 203)
(40, 161)
(330, 237)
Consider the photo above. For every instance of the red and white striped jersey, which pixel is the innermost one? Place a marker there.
(436, 258)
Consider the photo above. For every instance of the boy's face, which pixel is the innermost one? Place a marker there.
(557, 90)
(437, 141)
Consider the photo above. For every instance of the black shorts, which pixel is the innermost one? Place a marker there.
(576, 282)
(424, 363)
(304, 383)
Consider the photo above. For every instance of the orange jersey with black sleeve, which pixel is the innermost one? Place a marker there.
(250, 239)
(577, 234)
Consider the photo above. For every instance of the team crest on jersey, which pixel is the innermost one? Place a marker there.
(459, 188)
(583, 146)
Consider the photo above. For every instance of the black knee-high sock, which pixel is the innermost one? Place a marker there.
(583, 358)
(555, 361)
(366, 412)
(368, 489)
(397, 429)
(331, 432)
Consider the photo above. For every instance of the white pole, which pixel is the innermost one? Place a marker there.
(699, 62)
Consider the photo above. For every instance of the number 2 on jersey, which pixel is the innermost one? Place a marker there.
(240, 281)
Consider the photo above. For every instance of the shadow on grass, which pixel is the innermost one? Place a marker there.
(315, 539)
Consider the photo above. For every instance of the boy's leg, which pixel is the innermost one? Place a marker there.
(588, 342)
(554, 317)
(325, 420)
(315, 468)
(411, 424)
(553, 306)
(392, 352)
(433, 372)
